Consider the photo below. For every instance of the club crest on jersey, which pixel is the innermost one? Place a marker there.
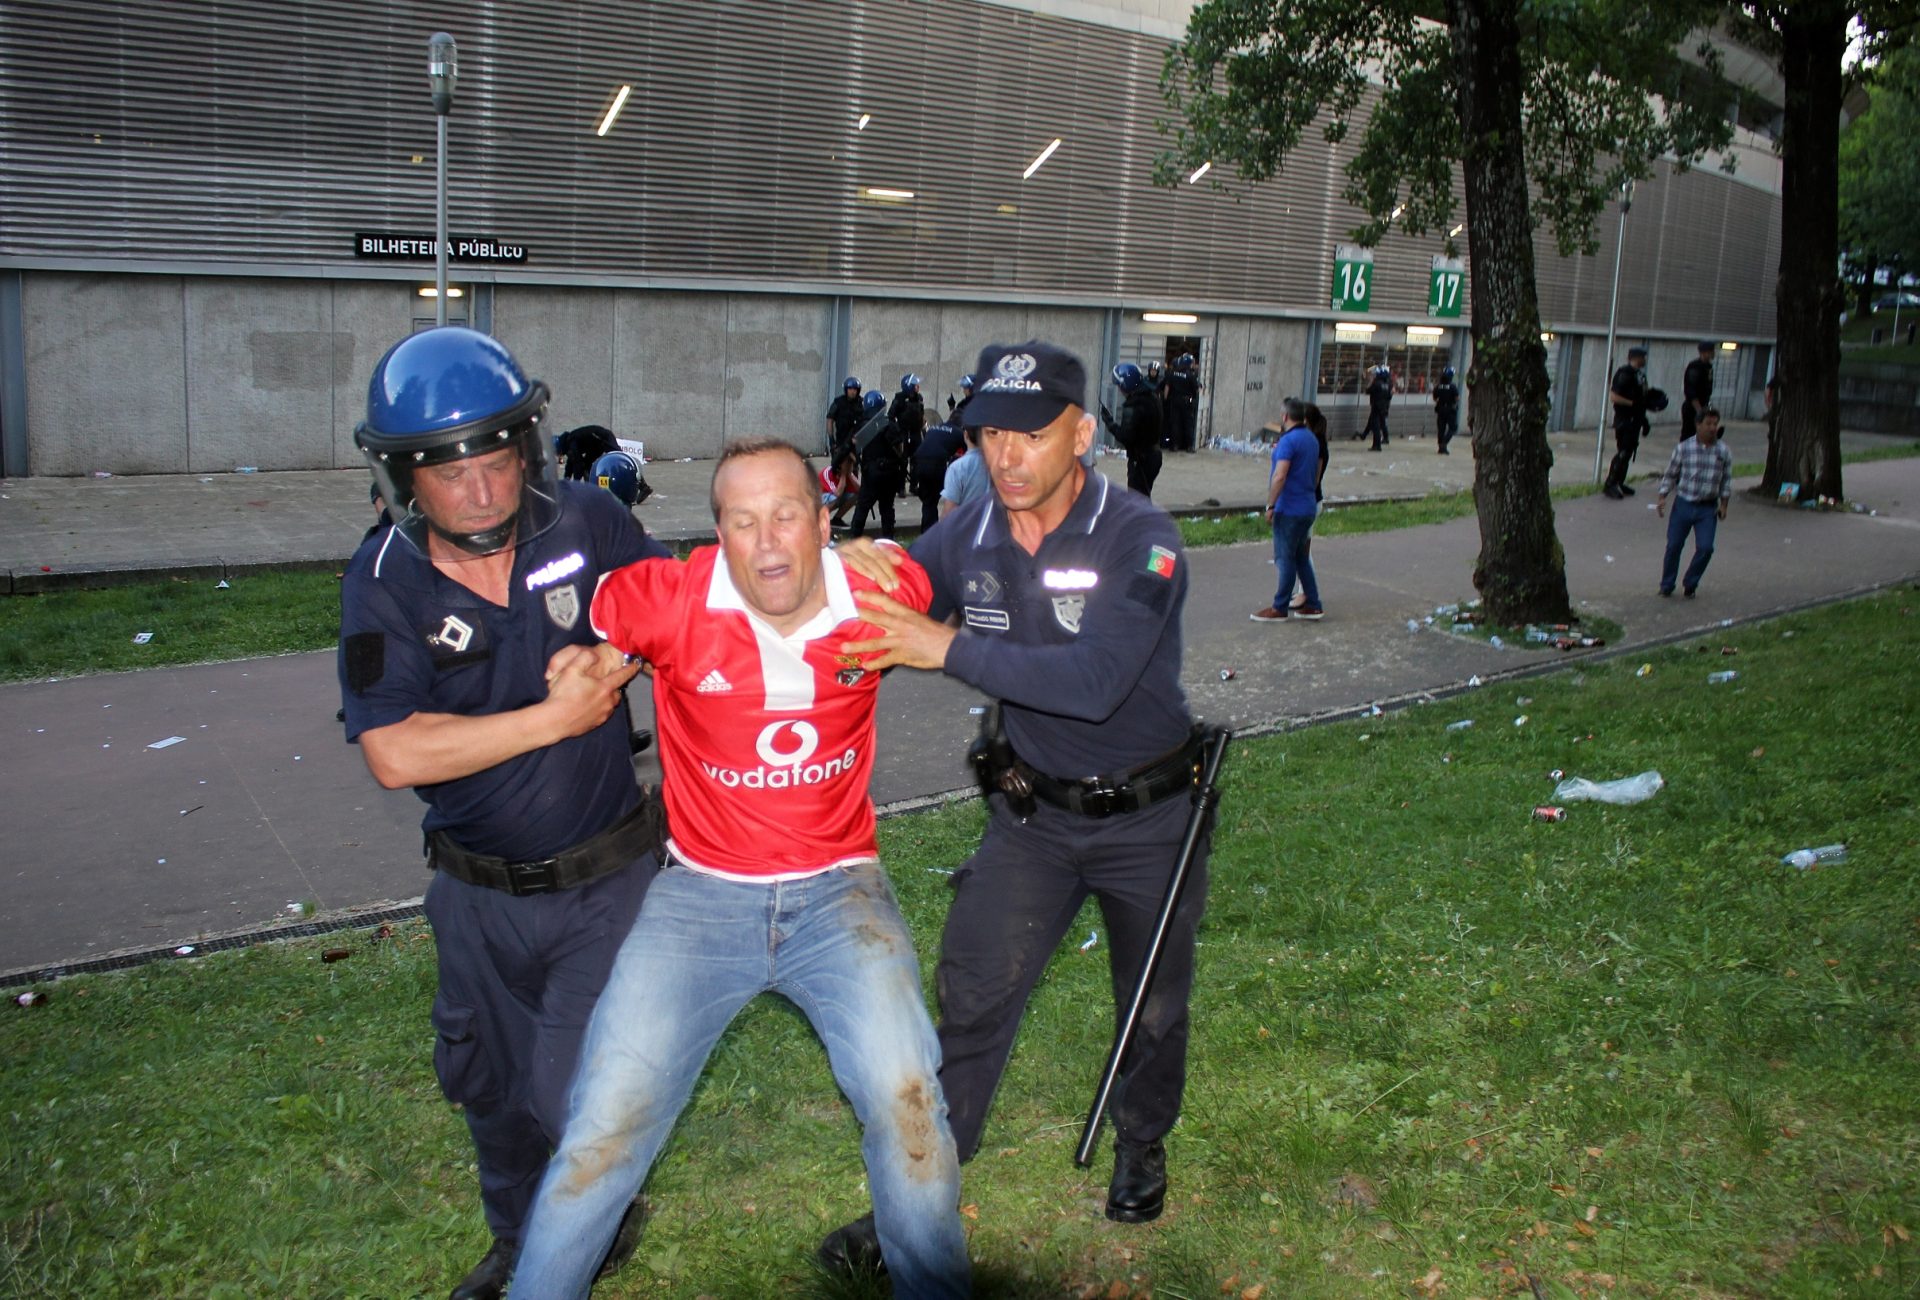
(850, 676)
(563, 606)
(453, 635)
(1067, 611)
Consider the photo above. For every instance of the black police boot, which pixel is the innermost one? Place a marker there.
(488, 1278)
(1138, 1191)
(626, 1240)
(854, 1248)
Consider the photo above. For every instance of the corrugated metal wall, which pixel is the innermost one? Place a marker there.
(258, 135)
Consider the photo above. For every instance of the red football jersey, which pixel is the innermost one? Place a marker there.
(766, 741)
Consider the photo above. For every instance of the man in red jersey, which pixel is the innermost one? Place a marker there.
(772, 881)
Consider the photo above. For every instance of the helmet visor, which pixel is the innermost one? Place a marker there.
(482, 496)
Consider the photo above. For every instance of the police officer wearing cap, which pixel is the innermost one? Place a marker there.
(467, 672)
(1628, 396)
(1067, 594)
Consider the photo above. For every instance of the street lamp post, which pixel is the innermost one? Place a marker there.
(443, 69)
(1613, 314)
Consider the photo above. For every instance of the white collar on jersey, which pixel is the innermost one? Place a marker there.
(722, 594)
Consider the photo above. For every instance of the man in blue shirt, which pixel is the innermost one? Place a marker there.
(1066, 595)
(1291, 509)
(467, 673)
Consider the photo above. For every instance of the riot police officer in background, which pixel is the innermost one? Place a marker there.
(1696, 389)
(882, 465)
(1628, 395)
(580, 447)
(467, 673)
(908, 413)
(1446, 408)
(1138, 428)
(619, 472)
(1379, 401)
(1183, 402)
(845, 415)
(944, 443)
(955, 408)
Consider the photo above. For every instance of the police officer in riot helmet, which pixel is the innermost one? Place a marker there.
(1629, 395)
(1379, 402)
(908, 412)
(619, 472)
(883, 465)
(954, 408)
(1446, 409)
(845, 415)
(1138, 428)
(1182, 402)
(541, 846)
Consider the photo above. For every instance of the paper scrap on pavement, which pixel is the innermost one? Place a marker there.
(170, 740)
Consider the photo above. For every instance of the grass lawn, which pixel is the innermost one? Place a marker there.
(1439, 1049)
(1894, 350)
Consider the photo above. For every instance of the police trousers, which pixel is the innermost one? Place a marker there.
(1014, 899)
(518, 980)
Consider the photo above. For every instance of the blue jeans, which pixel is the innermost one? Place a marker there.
(835, 945)
(1700, 519)
(1290, 556)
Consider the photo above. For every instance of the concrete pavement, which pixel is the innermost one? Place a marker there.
(115, 844)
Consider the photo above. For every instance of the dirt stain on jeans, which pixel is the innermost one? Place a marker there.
(594, 1160)
(919, 1134)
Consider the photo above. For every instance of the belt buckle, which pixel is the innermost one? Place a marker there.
(528, 878)
(1097, 798)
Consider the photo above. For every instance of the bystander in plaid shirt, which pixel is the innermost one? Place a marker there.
(1705, 474)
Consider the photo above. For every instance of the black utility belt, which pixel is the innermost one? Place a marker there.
(1141, 787)
(586, 861)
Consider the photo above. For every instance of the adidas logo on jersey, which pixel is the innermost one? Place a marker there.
(712, 683)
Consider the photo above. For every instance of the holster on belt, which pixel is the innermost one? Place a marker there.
(641, 831)
(997, 768)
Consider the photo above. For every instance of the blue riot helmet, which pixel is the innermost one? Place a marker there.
(1155, 372)
(909, 382)
(442, 406)
(1128, 377)
(1446, 375)
(619, 473)
(852, 383)
(873, 402)
(1183, 362)
(966, 383)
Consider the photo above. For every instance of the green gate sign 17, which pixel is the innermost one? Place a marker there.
(1447, 287)
(1352, 278)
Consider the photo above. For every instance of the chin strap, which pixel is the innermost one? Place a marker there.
(482, 543)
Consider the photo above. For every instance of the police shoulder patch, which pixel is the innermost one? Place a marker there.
(1161, 561)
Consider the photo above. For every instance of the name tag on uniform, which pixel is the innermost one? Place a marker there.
(989, 620)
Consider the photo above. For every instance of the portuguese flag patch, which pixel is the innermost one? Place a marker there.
(1160, 561)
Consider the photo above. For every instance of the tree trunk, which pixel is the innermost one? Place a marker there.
(1521, 573)
(1805, 448)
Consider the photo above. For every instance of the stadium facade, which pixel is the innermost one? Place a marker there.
(217, 215)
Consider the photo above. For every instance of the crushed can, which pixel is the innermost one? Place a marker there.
(1549, 813)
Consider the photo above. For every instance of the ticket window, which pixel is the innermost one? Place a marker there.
(1416, 355)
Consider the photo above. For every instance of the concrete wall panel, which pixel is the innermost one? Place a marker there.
(368, 318)
(893, 337)
(775, 368)
(670, 386)
(1232, 373)
(566, 337)
(260, 361)
(106, 373)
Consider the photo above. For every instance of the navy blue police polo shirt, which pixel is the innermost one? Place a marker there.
(1080, 641)
(413, 640)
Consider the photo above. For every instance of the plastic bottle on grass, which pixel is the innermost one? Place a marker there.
(1715, 679)
(1807, 859)
(1628, 789)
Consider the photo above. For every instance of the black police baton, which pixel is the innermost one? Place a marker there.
(1205, 798)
